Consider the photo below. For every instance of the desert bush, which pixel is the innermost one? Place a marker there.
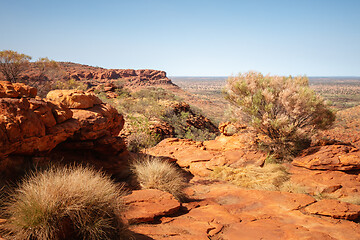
(65, 203)
(141, 136)
(283, 108)
(269, 177)
(153, 173)
(183, 129)
(156, 94)
(12, 64)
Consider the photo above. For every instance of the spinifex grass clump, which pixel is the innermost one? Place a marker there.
(153, 173)
(283, 108)
(269, 177)
(65, 203)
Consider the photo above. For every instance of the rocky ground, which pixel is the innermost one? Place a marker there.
(74, 126)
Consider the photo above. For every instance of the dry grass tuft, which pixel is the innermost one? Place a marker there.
(270, 177)
(153, 173)
(65, 203)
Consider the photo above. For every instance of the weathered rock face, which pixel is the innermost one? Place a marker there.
(95, 118)
(334, 209)
(29, 125)
(70, 121)
(330, 157)
(74, 99)
(336, 184)
(224, 211)
(200, 158)
(96, 75)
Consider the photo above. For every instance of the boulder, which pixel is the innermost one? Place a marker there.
(74, 99)
(97, 121)
(16, 90)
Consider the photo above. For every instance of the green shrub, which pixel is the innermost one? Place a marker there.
(153, 173)
(141, 136)
(183, 130)
(283, 108)
(65, 203)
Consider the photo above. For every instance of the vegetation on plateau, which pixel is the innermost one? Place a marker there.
(146, 108)
(284, 109)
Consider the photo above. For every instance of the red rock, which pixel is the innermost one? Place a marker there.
(334, 209)
(146, 205)
(30, 127)
(98, 121)
(330, 157)
(200, 223)
(25, 130)
(224, 211)
(74, 99)
(339, 184)
(202, 157)
(192, 155)
(271, 228)
(15, 90)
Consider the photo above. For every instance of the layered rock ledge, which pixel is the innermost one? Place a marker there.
(37, 130)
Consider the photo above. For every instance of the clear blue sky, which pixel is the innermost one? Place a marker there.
(190, 38)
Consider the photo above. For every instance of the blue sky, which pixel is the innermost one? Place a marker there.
(190, 38)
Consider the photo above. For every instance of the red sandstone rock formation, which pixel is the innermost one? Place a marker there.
(95, 75)
(224, 211)
(68, 120)
(200, 158)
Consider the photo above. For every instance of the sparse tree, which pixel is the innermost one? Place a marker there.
(12, 63)
(283, 108)
(45, 65)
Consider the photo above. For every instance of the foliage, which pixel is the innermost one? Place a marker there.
(45, 65)
(65, 203)
(70, 84)
(142, 107)
(12, 63)
(283, 108)
(269, 177)
(183, 130)
(141, 136)
(153, 173)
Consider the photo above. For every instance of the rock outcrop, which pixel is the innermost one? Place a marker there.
(93, 76)
(200, 158)
(329, 157)
(29, 125)
(222, 211)
(36, 131)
